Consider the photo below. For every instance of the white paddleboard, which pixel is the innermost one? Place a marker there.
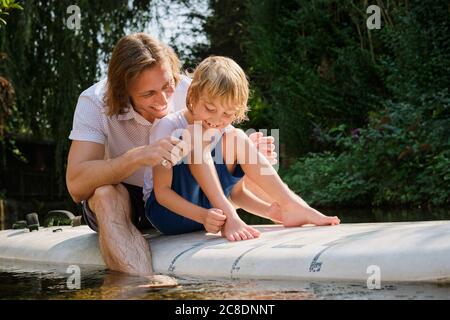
(410, 251)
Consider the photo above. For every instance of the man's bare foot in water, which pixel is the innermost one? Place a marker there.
(158, 281)
(118, 279)
(296, 214)
(117, 285)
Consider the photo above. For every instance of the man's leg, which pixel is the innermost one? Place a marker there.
(123, 247)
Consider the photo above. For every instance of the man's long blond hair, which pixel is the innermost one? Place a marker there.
(131, 55)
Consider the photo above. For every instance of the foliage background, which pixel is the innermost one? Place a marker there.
(363, 114)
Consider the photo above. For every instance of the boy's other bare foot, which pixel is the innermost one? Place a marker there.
(235, 230)
(295, 215)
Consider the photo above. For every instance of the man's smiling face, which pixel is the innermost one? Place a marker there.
(151, 90)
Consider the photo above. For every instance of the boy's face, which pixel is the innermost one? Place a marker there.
(213, 112)
(151, 90)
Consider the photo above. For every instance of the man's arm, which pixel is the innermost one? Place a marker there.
(87, 170)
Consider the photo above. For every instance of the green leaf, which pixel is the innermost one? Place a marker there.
(17, 6)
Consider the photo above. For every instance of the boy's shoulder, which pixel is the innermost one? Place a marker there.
(174, 119)
(230, 129)
(169, 123)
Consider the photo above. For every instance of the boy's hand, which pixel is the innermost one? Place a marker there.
(214, 220)
(265, 145)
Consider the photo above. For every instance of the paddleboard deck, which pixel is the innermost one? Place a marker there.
(409, 251)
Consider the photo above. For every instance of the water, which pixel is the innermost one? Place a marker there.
(47, 282)
(38, 281)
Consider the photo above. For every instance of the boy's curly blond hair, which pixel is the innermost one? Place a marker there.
(218, 76)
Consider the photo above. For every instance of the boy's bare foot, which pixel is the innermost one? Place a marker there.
(295, 215)
(235, 229)
(159, 281)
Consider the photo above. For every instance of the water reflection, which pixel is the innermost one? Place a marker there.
(97, 284)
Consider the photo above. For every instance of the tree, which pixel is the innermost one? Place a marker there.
(49, 64)
(5, 7)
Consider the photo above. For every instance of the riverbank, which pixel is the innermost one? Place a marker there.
(12, 210)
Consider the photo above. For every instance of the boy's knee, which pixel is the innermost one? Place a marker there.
(239, 145)
(239, 134)
(236, 138)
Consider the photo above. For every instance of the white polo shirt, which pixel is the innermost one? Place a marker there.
(118, 133)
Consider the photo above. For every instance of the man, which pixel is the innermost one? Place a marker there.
(110, 148)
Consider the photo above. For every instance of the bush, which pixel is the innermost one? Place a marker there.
(400, 158)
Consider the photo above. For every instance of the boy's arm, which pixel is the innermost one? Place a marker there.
(162, 181)
(206, 175)
(204, 171)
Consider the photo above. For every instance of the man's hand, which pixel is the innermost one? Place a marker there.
(170, 149)
(265, 145)
(214, 220)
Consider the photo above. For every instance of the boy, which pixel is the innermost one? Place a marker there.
(201, 196)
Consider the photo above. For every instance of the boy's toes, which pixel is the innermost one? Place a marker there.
(248, 234)
(237, 237)
(230, 237)
(255, 233)
(334, 220)
(243, 235)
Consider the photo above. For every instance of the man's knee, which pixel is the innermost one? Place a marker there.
(110, 199)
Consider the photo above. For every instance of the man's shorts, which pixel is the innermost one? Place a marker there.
(185, 185)
(138, 217)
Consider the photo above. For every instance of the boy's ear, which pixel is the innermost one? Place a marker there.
(189, 100)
